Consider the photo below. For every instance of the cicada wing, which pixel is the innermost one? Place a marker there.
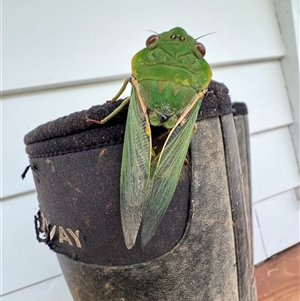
(135, 168)
(165, 176)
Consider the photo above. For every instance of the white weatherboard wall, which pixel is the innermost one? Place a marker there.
(64, 56)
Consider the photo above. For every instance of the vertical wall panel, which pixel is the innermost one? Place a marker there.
(279, 221)
(55, 42)
(54, 289)
(24, 260)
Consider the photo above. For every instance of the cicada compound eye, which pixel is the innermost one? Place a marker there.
(201, 48)
(152, 39)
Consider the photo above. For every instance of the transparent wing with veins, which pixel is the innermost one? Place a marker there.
(165, 172)
(135, 169)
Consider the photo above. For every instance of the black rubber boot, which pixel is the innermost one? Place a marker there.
(202, 248)
(242, 132)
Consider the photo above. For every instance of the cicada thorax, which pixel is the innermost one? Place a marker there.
(170, 72)
(173, 58)
(165, 100)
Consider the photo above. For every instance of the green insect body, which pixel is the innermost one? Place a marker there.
(169, 79)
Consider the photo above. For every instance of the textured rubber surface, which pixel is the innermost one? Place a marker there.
(76, 167)
(202, 249)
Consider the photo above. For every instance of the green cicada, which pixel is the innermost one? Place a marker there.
(169, 79)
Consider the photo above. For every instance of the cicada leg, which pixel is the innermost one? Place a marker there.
(114, 99)
(122, 89)
(116, 111)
